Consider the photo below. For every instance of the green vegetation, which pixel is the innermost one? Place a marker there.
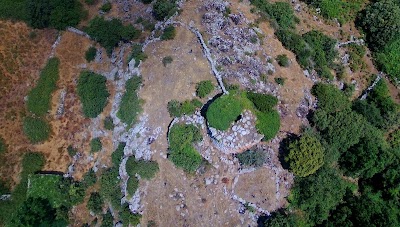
(281, 13)
(177, 109)
(36, 129)
(342, 10)
(268, 124)
(92, 91)
(108, 123)
(118, 155)
(252, 158)
(95, 202)
(163, 9)
(145, 169)
(283, 60)
(90, 2)
(133, 185)
(137, 54)
(167, 60)
(110, 189)
(306, 156)
(90, 54)
(110, 33)
(130, 104)
(39, 97)
(204, 88)
(280, 80)
(95, 145)
(106, 7)
(223, 111)
(356, 53)
(14, 9)
(263, 103)
(181, 151)
(169, 33)
(89, 179)
(388, 59)
(127, 218)
(71, 150)
(108, 220)
(3, 146)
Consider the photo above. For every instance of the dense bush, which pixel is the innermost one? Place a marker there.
(137, 54)
(110, 189)
(39, 97)
(252, 158)
(167, 60)
(95, 145)
(108, 123)
(388, 59)
(130, 103)
(92, 91)
(108, 219)
(268, 124)
(132, 185)
(118, 155)
(169, 33)
(90, 54)
(106, 7)
(223, 111)
(57, 14)
(381, 22)
(127, 218)
(32, 162)
(262, 102)
(14, 9)
(342, 10)
(164, 8)
(47, 187)
(110, 33)
(177, 109)
(306, 155)
(280, 12)
(71, 150)
(330, 99)
(181, 151)
(89, 178)
(283, 60)
(95, 202)
(145, 169)
(356, 53)
(204, 88)
(280, 80)
(36, 129)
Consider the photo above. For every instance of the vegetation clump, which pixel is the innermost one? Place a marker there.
(95, 202)
(145, 169)
(283, 60)
(169, 33)
(181, 151)
(108, 123)
(110, 33)
(252, 158)
(106, 7)
(36, 129)
(223, 111)
(164, 8)
(90, 54)
(204, 88)
(92, 91)
(137, 54)
(130, 103)
(167, 60)
(95, 145)
(39, 97)
(178, 109)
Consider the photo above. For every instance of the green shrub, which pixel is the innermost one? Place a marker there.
(92, 91)
(90, 54)
(90, 2)
(71, 150)
(268, 124)
(137, 54)
(95, 203)
(223, 111)
(31, 163)
(14, 9)
(108, 123)
(130, 103)
(108, 220)
(388, 59)
(356, 53)
(306, 156)
(106, 7)
(343, 10)
(177, 109)
(110, 188)
(164, 8)
(145, 169)
(89, 179)
(330, 99)
(118, 155)
(3, 146)
(167, 60)
(110, 33)
(39, 97)
(262, 102)
(127, 218)
(204, 88)
(281, 13)
(283, 60)
(169, 33)
(132, 185)
(280, 80)
(252, 158)
(95, 145)
(146, 1)
(181, 151)
(57, 14)
(47, 187)
(36, 129)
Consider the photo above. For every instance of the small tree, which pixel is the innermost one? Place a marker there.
(95, 202)
(282, 60)
(306, 156)
(203, 88)
(90, 54)
(95, 145)
(169, 33)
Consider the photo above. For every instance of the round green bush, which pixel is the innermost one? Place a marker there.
(262, 102)
(204, 88)
(223, 111)
(268, 124)
(95, 145)
(36, 129)
(90, 54)
(282, 60)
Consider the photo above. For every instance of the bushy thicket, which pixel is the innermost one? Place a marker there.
(388, 59)
(95, 145)
(181, 151)
(93, 93)
(108, 123)
(95, 203)
(39, 97)
(130, 103)
(90, 54)
(223, 111)
(204, 88)
(280, 13)
(110, 32)
(36, 129)
(262, 102)
(163, 9)
(145, 169)
(110, 189)
(169, 33)
(252, 158)
(178, 109)
(137, 54)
